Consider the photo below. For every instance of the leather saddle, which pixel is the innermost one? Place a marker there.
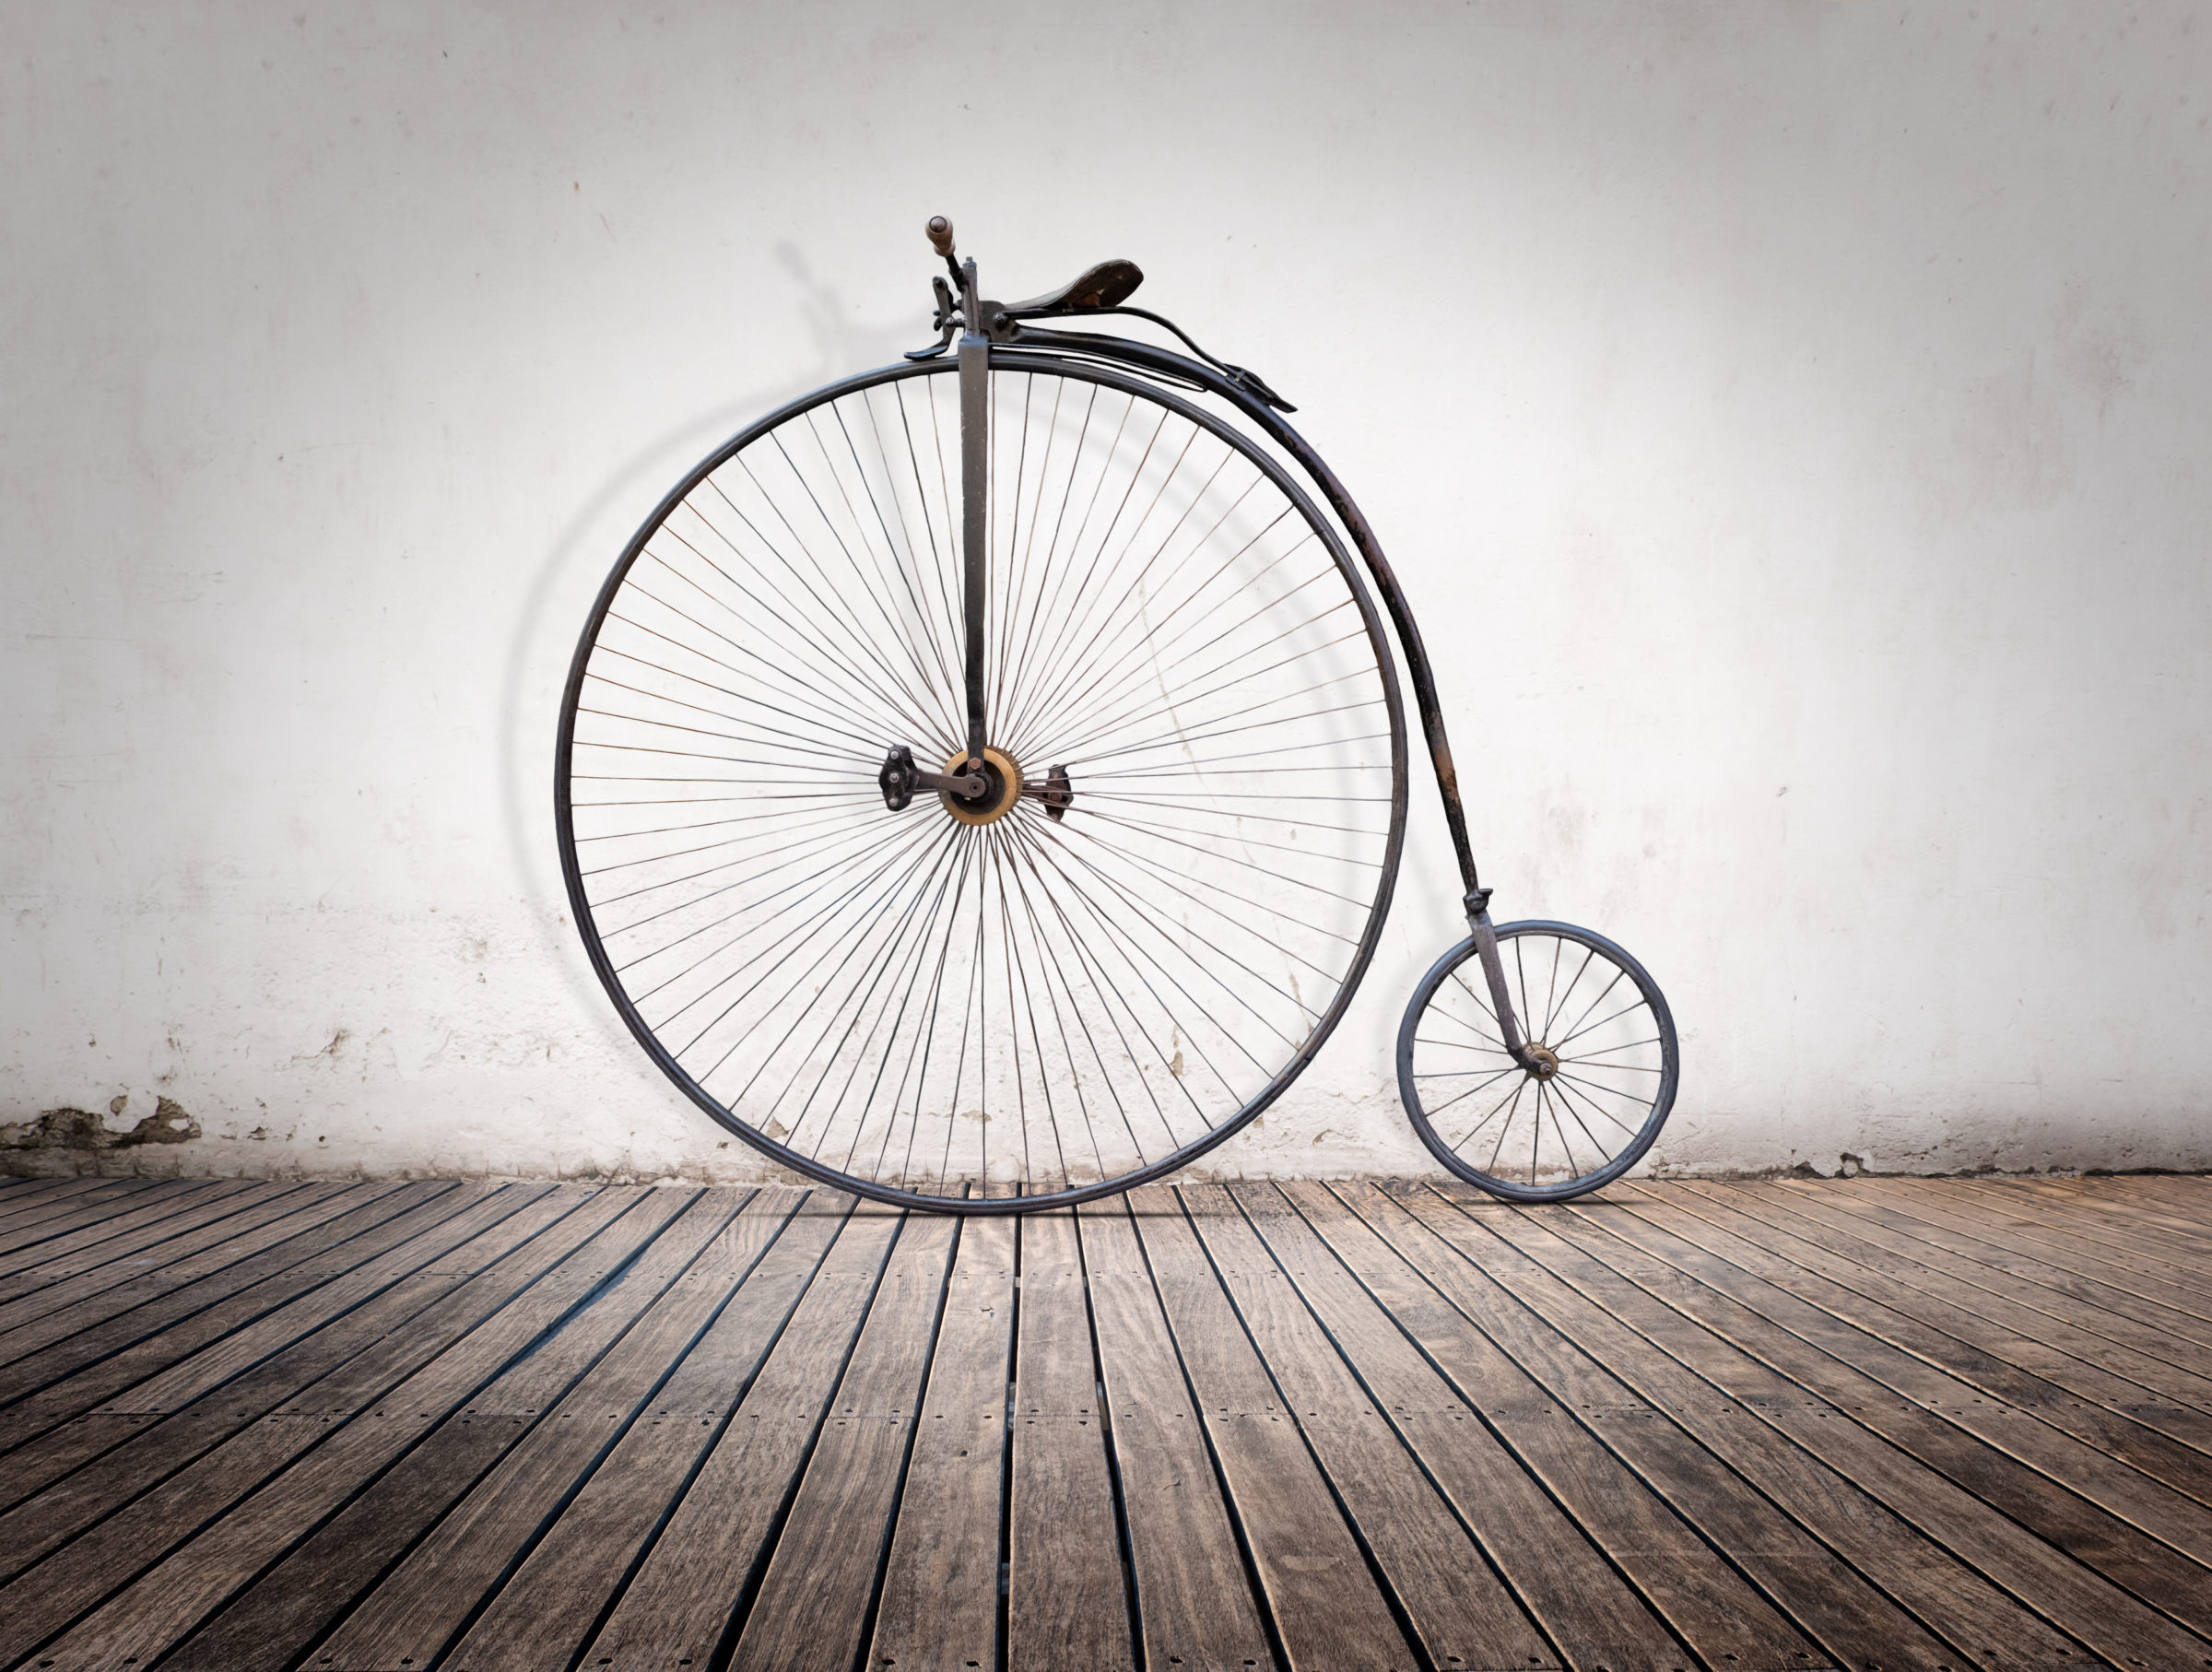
(1108, 285)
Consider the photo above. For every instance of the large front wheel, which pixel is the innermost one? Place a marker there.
(1081, 966)
(1602, 1042)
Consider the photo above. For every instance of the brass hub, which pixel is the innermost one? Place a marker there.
(1002, 788)
(1546, 1060)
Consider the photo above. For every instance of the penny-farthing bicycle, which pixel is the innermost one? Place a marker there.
(981, 783)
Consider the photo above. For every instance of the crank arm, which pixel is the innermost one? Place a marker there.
(901, 778)
(970, 783)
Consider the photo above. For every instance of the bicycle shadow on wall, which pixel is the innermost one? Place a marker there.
(556, 596)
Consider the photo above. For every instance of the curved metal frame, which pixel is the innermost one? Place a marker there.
(1041, 356)
(1269, 421)
(1661, 1103)
(1262, 407)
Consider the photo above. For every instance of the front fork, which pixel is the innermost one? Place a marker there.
(975, 478)
(1493, 971)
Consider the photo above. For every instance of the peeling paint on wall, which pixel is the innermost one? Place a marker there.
(71, 1136)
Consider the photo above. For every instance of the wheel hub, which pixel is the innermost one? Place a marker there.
(1545, 1060)
(1002, 788)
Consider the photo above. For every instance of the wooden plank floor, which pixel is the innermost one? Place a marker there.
(1885, 1425)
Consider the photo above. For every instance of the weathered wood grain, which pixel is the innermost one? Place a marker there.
(811, 1611)
(1488, 1318)
(1534, 1519)
(97, 1288)
(1067, 1596)
(321, 1427)
(69, 1373)
(401, 1396)
(521, 1441)
(939, 1604)
(1338, 1371)
(1980, 1539)
(1196, 1606)
(1327, 1608)
(679, 1607)
(2106, 1515)
(564, 1585)
(92, 1227)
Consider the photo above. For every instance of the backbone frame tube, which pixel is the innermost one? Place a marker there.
(1165, 362)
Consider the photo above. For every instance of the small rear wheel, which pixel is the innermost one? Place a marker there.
(1603, 1042)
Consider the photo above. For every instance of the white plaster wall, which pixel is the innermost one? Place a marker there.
(1789, 419)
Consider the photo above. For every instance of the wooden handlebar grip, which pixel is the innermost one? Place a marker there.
(940, 235)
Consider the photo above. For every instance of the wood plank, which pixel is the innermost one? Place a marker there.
(500, 1523)
(1727, 1391)
(2188, 1193)
(60, 1213)
(1339, 1376)
(811, 1612)
(2173, 1230)
(30, 1330)
(26, 1193)
(100, 1291)
(2091, 1609)
(2106, 1515)
(2100, 1220)
(516, 1451)
(1538, 1520)
(76, 1371)
(1920, 1270)
(939, 1599)
(88, 1226)
(1579, 1297)
(1068, 1596)
(272, 1355)
(279, 1352)
(1327, 1607)
(141, 1231)
(2156, 1233)
(542, 1615)
(1488, 1319)
(676, 1611)
(2057, 1241)
(1194, 1603)
(2087, 1301)
(2114, 1416)
(346, 1363)
(66, 1217)
(161, 1569)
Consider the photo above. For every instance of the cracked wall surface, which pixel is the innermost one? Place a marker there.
(1788, 422)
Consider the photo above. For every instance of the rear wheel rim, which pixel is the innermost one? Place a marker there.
(1608, 1064)
(1076, 996)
